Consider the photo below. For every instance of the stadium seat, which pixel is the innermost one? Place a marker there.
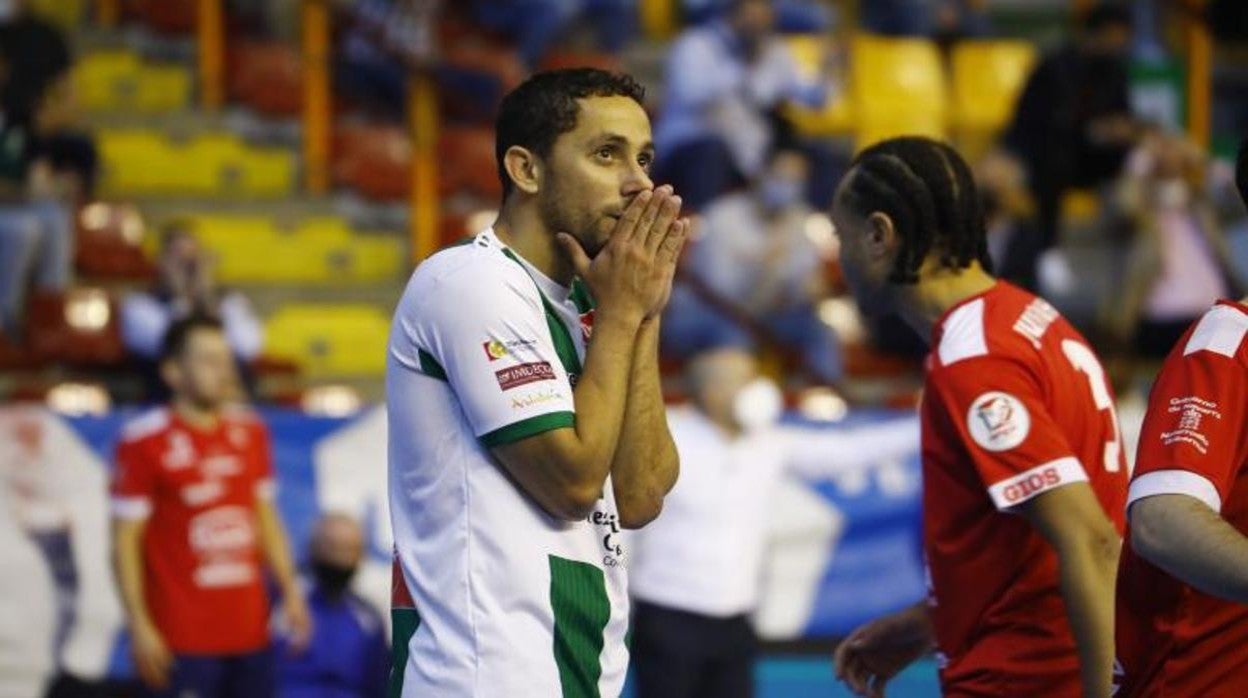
(467, 164)
(145, 163)
(110, 238)
(987, 77)
(67, 14)
(113, 81)
(167, 16)
(559, 60)
(79, 327)
(898, 87)
(266, 76)
(376, 161)
(659, 18)
(473, 77)
(330, 340)
(837, 116)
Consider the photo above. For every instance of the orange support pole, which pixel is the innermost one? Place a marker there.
(1199, 75)
(317, 110)
(423, 110)
(210, 39)
(107, 12)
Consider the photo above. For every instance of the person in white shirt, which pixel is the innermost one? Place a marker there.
(695, 571)
(526, 425)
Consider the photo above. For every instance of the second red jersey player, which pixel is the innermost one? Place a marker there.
(1174, 640)
(1015, 405)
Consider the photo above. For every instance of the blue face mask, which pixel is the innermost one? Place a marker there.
(777, 194)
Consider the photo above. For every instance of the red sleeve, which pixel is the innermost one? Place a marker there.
(1193, 438)
(1016, 447)
(134, 482)
(262, 459)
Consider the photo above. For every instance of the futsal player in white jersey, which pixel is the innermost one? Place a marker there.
(526, 424)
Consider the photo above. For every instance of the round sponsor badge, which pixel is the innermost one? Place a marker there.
(998, 421)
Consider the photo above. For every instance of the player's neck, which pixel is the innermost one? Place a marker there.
(195, 416)
(939, 289)
(522, 230)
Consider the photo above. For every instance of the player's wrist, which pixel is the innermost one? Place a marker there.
(621, 315)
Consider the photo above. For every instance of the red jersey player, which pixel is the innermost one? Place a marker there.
(1023, 475)
(1182, 626)
(193, 517)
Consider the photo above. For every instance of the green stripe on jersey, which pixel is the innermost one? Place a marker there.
(528, 427)
(430, 366)
(580, 296)
(578, 596)
(564, 346)
(404, 622)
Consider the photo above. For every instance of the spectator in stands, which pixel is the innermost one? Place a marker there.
(725, 81)
(36, 230)
(193, 517)
(38, 92)
(1014, 242)
(348, 656)
(695, 571)
(1179, 262)
(1072, 124)
(186, 285)
(753, 267)
(382, 41)
(536, 24)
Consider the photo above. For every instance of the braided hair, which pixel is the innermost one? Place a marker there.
(926, 189)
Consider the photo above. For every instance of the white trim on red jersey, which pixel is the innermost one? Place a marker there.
(1174, 482)
(1009, 493)
(963, 336)
(1220, 331)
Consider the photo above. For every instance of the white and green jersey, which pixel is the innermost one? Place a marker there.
(493, 597)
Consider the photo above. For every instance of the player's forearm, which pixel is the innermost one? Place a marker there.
(1087, 570)
(128, 566)
(601, 395)
(1187, 539)
(276, 548)
(646, 464)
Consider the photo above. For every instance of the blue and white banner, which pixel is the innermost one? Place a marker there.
(843, 550)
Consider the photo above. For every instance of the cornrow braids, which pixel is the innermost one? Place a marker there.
(927, 190)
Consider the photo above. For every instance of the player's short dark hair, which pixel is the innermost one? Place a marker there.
(926, 189)
(1241, 171)
(1104, 15)
(543, 107)
(178, 336)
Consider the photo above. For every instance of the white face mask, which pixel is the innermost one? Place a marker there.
(1173, 193)
(758, 405)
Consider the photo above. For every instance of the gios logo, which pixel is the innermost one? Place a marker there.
(998, 421)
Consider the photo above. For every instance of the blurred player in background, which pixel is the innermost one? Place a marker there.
(193, 519)
(527, 428)
(1182, 626)
(1023, 473)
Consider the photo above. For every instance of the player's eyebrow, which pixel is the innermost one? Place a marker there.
(620, 141)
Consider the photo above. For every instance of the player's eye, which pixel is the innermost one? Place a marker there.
(645, 160)
(606, 152)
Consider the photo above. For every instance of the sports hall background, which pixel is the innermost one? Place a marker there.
(317, 149)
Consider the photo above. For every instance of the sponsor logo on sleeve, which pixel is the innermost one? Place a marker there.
(524, 374)
(540, 397)
(998, 421)
(496, 349)
(1192, 413)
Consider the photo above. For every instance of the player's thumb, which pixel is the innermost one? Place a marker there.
(576, 254)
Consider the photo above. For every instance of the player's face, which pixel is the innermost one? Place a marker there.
(596, 169)
(204, 374)
(866, 259)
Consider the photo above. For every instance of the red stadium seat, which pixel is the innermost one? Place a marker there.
(110, 243)
(265, 76)
(376, 161)
(561, 60)
(466, 162)
(167, 16)
(79, 327)
(473, 77)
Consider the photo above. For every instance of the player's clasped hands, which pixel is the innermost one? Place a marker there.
(633, 273)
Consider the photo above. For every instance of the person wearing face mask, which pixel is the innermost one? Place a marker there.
(347, 656)
(754, 258)
(695, 570)
(1179, 263)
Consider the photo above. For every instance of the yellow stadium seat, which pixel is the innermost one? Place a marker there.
(658, 18)
(330, 340)
(898, 87)
(110, 81)
(987, 77)
(67, 14)
(145, 163)
(837, 116)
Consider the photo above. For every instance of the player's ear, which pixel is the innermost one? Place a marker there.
(524, 168)
(881, 235)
